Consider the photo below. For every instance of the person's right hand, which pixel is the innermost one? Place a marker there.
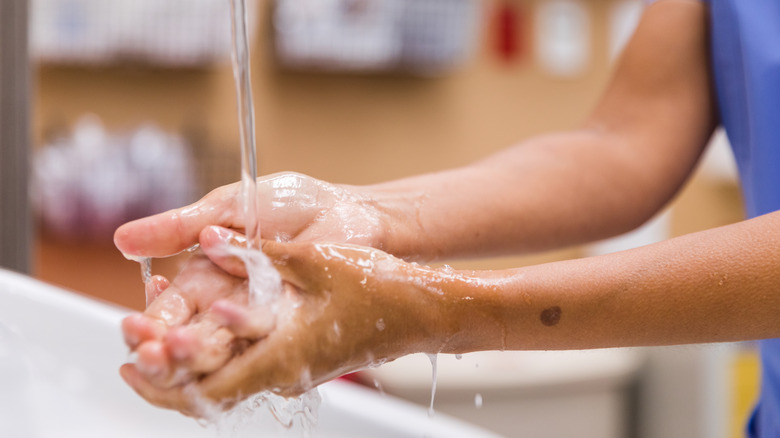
(291, 207)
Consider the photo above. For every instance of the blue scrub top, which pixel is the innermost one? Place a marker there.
(745, 44)
(746, 63)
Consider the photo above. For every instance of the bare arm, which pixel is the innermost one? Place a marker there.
(628, 159)
(713, 286)
(354, 306)
(607, 177)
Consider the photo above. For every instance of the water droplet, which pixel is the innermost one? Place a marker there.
(478, 400)
(380, 324)
(379, 387)
(458, 356)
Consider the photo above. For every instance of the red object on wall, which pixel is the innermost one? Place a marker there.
(507, 26)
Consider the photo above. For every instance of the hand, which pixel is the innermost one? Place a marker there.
(292, 207)
(343, 308)
(183, 334)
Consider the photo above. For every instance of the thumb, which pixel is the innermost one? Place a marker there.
(297, 263)
(216, 241)
(174, 231)
(293, 260)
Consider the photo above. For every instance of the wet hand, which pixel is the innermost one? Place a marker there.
(343, 308)
(181, 335)
(292, 207)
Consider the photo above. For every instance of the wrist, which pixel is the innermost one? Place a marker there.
(477, 308)
(400, 232)
(450, 311)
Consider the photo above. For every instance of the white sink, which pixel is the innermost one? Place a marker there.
(59, 359)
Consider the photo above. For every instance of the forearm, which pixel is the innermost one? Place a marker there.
(712, 286)
(629, 157)
(551, 191)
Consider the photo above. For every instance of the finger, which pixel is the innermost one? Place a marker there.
(196, 286)
(199, 348)
(265, 366)
(153, 363)
(139, 328)
(173, 398)
(172, 307)
(304, 265)
(174, 231)
(243, 376)
(154, 287)
(200, 283)
(216, 241)
(247, 323)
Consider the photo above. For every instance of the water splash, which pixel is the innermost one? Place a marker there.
(265, 283)
(259, 413)
(288, 411)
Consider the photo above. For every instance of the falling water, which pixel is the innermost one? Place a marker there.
(264, 281)
(433, 358)
(246, 120)
(146, 266)
(146, 269)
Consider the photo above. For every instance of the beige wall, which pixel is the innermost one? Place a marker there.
(346, 128)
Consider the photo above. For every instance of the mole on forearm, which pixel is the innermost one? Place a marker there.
(551, 316)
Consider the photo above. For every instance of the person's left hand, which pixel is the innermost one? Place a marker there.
(343, 308)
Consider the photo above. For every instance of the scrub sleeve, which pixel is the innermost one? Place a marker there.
(745, 45)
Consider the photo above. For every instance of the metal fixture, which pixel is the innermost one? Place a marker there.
(15, 215)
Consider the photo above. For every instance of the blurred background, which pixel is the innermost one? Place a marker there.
(133, 112)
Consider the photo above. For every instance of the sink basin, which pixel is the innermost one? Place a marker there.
(59, 359)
